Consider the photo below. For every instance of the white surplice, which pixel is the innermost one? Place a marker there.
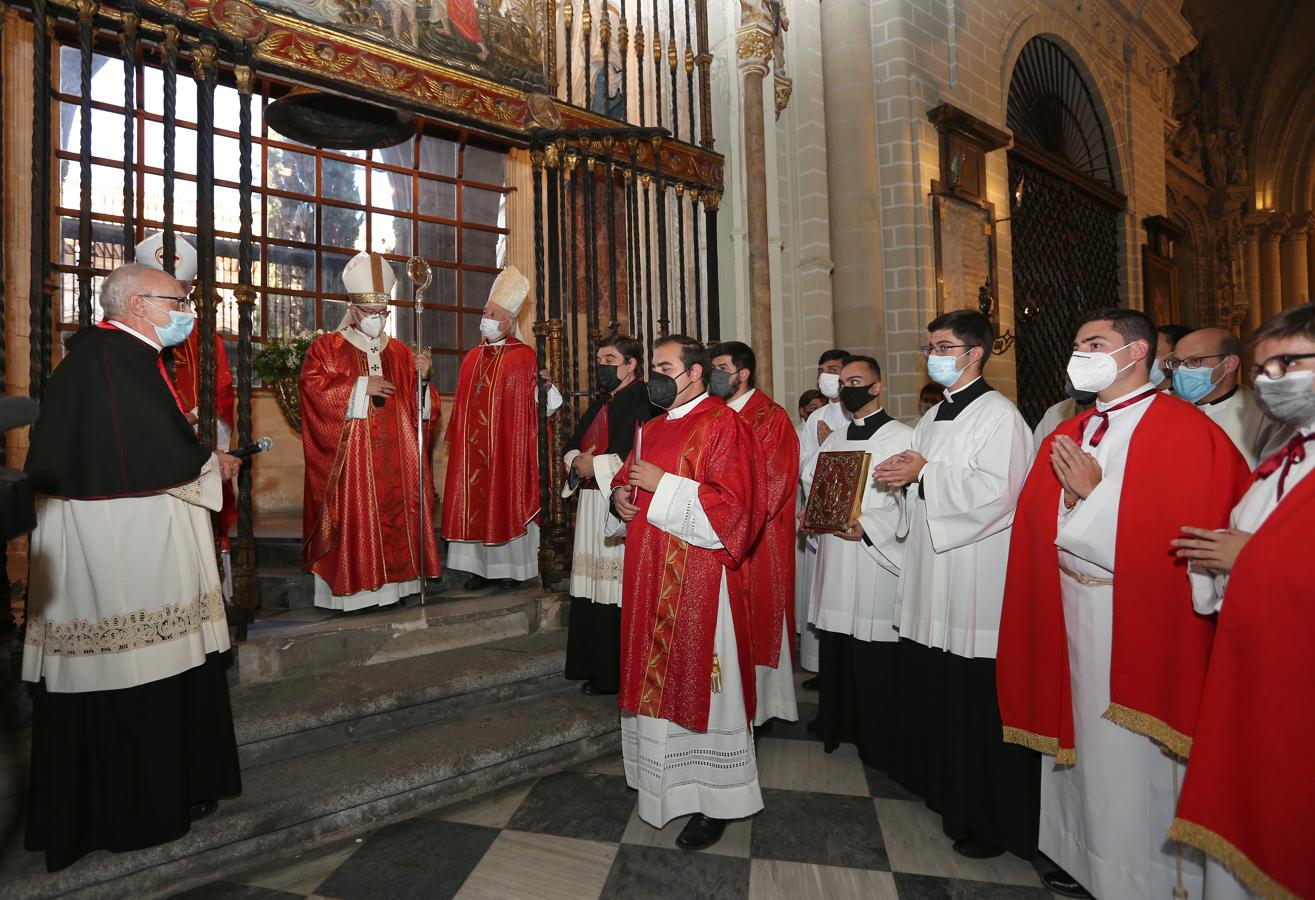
(834, 416)
(597, 560)
(1255, 435)
(677, 771)
(1104, 820)
(518, 559)
(774, 684)
(124, 592)
(854, 589)
(958, 518)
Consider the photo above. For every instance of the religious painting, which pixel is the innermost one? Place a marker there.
(1161, 285)
(965, 253)
(498, 39)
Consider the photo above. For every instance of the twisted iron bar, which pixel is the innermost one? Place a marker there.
(170, 49)
(246, 587)
(40, 319)
(203, 68)
(86, 22)
(128, 53)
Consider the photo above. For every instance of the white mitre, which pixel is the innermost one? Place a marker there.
(368, 278)
(509, 290)
(150, 253)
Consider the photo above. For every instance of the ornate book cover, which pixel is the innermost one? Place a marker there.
(837, 494)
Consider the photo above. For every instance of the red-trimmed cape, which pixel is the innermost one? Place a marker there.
(1249, 796)
(492, 489)
(768, 573)
(672, 589)
(1181, 469)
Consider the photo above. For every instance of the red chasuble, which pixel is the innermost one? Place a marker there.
(492, 490)
(187, 381)
(1249, 796)
(670, 599)
(1181, 468)
(768, 573)
(362, 504)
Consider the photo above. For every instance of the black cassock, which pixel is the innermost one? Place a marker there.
(118, 769)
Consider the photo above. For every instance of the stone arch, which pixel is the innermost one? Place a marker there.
(1106, 97)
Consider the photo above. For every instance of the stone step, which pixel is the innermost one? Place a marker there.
(281, 719)
(296, 803)
(306, 642)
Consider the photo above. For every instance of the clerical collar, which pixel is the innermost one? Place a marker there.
(137, 334)
(862, 429)
(1219, 400)
(686, 408)
(1101, 405)
(957, 401)
(741, 401)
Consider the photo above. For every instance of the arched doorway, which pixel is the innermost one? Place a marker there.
(1064, 216)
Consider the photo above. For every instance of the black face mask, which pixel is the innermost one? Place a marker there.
(662, 389)
(1082, 397)
(719, 384)
(608, 378)
(855, 397)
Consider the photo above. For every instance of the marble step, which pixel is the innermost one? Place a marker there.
(278, 720)
(305, 642)
(297, 803)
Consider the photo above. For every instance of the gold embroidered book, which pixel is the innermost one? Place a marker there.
(837, 494)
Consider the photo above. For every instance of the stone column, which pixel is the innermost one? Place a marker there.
(753, 50)
(1296, 279)
(853, 184)
(1251, 262)
(1271, 267)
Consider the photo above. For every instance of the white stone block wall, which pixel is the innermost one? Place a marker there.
(923, 53)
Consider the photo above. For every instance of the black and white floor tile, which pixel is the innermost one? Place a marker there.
(831, 828)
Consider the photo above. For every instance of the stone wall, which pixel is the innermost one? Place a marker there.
(856, 134)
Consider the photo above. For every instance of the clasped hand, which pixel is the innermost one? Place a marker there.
(1215, 550)
(901, 469)
(1076, 469)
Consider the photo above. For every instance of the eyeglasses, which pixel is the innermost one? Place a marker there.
(1277, 366)
(179, 302)
(943, 349)
(1190, 362)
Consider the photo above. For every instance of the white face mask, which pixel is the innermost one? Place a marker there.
(1093, 372)
(372, 325)
(829, 384)
(491, 329)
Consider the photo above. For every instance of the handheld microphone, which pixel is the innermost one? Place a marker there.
(251, 450)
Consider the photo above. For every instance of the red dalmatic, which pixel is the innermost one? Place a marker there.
(672, 589)
(187, 382)
(768, 573)
(1161, 646)
(362, 500)
(492, 490)
(1249, 796)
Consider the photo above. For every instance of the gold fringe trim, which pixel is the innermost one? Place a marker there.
(1064, 756)
(1250, 874)
(1144, 724)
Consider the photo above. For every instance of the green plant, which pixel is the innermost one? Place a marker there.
(280, 358)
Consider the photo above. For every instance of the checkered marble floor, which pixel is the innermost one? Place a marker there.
(831, 828)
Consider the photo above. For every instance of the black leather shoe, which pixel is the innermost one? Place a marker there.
(476, 582)
(200, 810)
(701, 832)
(812, 683)
(975, 849)
(1063, 883)
(589, 689)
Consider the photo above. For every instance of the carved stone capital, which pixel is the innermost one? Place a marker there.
(753, 49)
(1254, 225)
(1300, 225)
(1275, 227)
(784, 87)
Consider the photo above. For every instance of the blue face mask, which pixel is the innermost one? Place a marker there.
(179, 327)
(1193, 384)
(944, 369)
(1157, 373)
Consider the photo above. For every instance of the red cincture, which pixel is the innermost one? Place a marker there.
(1294, 451)
(1104, 415)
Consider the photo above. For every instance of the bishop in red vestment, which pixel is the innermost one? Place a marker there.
(187, 369)
(491, 499)
(689, 493)
(362, 527)
(1249, 797)
(768, 573)
(1101, 656)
